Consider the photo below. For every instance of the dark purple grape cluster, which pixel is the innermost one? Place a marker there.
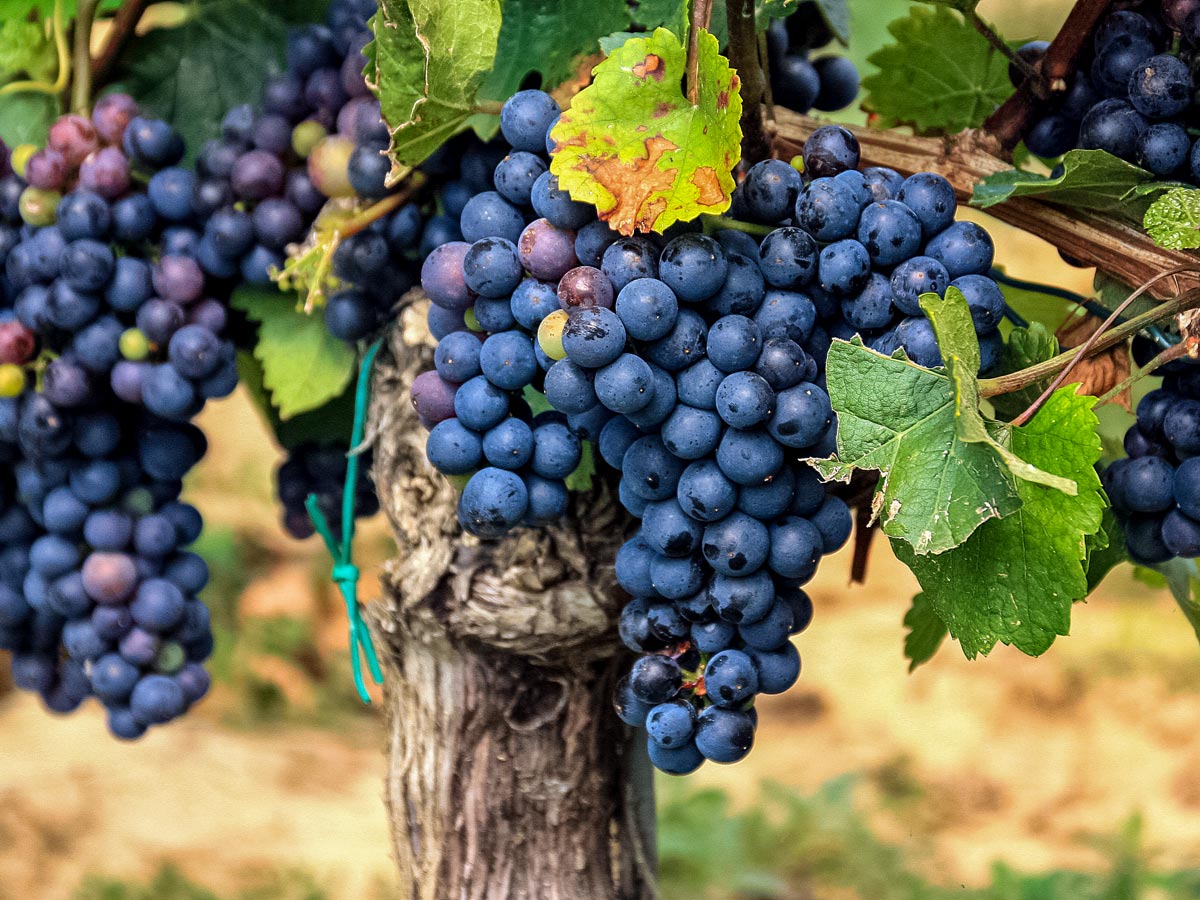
(1155, 490)
(320, 469)
(695, 365)
(1133, 93)
(99, 593)
(828, 82)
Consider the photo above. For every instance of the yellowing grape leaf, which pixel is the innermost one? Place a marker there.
(635, 147)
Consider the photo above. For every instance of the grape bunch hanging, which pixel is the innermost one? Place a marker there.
(1132, 94)
(694, 364)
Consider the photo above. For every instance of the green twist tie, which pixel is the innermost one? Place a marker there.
(345, 573)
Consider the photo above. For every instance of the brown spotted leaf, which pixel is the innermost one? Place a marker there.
(633, 145)
(1101, 373)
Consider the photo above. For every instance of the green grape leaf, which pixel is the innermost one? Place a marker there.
(611, 42)
(940, 75)
(945, 468)
(548, 39)
(899, 419)
(20, 9)
(330, 421)
(836, 14)
(960, 5)
(925, 632)
(428, 61)
(194, 73)
(633, 145)
(1013, 581)
(25, 49)
(1173, 220)
(581, 479)
(304, 366)
(1091, 179)
(26, 117)
(955, 331)
(1025, 347)
(669, 14)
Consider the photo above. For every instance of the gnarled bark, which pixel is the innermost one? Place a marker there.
(508, 774)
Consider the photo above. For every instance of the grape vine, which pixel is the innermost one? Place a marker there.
(654, 274)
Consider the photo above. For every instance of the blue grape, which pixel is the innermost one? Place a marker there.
(493, 502)
(693, 266)
(724, 735)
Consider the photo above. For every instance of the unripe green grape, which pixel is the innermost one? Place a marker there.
(550, 334)
(329, 166)
(170, 658)
(472, 323)
(306, 136)
(134, 345)
(38, 207)
(20, 157)
(12, 380)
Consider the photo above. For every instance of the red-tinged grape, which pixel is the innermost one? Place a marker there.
(47, 170)
(584, 287)
(17, 343)
(433, 396)
(106, 172)
(547, 252)
(74, 137)
(1176, 12)
(112, 115)
(329, 166)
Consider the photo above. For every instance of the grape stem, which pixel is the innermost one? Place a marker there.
(1030, 73)
(81, 58)
(59, 28)
(701, 17)
(120, 30)
(1178, 351)
(1062, 364)
(1007, 123)
(744, 55)
(713, 224)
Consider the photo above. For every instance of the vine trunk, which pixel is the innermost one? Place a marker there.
(508, 774)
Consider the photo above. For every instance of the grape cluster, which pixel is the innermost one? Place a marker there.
(864, 246)
(1132, 95)
(320, 469)
(111, 345)
(318, 134)
(827, 83)
(694, 363)
(1156, 489)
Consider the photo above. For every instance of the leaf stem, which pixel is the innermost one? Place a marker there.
(1099, 342)
(81, 58)
(744, 54)
(701, 16)
(1083, 350)
(1184, 348)
(1007, 123)
(120, 30)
